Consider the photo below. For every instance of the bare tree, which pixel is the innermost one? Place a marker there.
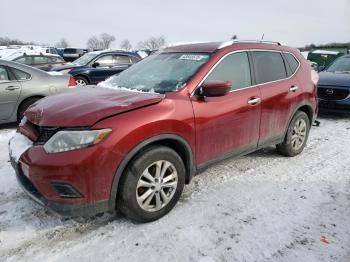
(63, 43)
(93, 43)
(104, 42)
(126, 45)
(153, 43)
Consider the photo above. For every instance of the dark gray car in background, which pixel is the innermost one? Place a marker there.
(21, 86)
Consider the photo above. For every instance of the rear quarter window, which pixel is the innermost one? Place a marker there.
(269, 66)
(293, 63)
(20, 75)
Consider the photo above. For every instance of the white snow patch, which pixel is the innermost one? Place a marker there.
(18, 144)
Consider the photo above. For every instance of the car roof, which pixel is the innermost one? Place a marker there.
(211, 47)
(25, 68)
(114, 52)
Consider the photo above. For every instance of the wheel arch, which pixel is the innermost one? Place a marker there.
(83, 76)
(26, 99)
(175, 142)
(305, 107)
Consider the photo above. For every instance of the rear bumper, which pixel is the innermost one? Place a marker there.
(64, 209)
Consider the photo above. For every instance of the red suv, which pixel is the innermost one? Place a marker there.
(134, 142)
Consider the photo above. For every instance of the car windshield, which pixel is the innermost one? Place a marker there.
(85, 59)
(341, 65)
(160, 72)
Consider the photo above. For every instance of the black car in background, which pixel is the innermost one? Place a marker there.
(41, 61)
(334, 86)
(71, 54)
(95, 67)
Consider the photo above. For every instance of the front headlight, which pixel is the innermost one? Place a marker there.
(68, 140)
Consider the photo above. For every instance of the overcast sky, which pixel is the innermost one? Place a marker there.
(295, 22)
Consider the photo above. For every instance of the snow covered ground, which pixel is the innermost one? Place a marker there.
(261, 207)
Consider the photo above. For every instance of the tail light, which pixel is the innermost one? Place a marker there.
(71, 83)
(314, 77)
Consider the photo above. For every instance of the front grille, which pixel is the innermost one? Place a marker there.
(332, 93)
(38, 134)
(45, 133)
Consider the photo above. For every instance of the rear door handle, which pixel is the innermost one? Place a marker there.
(11, 88)
(254, 101)
(293, 88)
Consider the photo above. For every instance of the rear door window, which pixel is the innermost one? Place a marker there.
(234, 68)
(269, 66)
(40, 60)
(121, 60)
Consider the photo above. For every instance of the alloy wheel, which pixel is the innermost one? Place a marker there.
(80, 82)
(156, 186)
(298, 134)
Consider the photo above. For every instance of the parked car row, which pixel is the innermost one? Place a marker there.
(95, 67)
(134, 145)
(89, 68)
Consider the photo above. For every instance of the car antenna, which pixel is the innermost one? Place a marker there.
(262, 37)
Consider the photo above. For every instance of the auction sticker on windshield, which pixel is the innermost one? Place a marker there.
(192, 57)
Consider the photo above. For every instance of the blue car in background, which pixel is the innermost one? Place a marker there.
(95, 67)
(334, 86)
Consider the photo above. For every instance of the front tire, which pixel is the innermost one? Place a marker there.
(152, 184)
(296, 136)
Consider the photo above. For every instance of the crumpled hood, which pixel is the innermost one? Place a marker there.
(334, 79)
(86, 105)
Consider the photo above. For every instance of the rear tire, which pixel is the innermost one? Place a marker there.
(24, 106)
(81, 81)
(296, 136)
(145, 198)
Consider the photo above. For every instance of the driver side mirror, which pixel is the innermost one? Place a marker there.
(96, 64)
(215, 88)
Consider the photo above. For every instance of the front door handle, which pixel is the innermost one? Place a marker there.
(254, 101)
(293, 88)
(11, 88)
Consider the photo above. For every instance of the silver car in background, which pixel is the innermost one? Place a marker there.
(21, 86)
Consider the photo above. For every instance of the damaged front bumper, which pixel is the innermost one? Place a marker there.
(67, 210)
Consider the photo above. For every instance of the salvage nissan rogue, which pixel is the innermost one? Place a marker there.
(134, 141)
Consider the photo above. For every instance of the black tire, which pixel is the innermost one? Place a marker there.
(288, 147)
(81, 80)
(24, 106)
(127, 201)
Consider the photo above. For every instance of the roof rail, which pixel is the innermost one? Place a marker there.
(236, 41)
